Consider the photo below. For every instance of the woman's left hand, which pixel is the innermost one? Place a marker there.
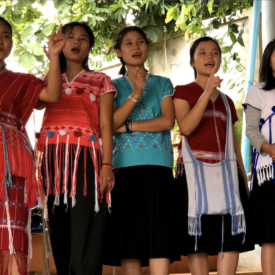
(57, 43)
(106, 179)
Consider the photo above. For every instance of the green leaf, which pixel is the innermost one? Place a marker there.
(210, 6)
(186, 36)
(216, 24)
(232, 86)
(233, 37)
(169, 15)
(16, 18)
(153, 33)
(226, 49)
(234, 28)
(183, 26)
(48, 29)
(26, 34)
(115, 7)
(176, 13)
(35, 48)
(27, 60)
(143, 21)
(240, 41)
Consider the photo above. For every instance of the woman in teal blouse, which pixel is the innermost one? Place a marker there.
(140, 229)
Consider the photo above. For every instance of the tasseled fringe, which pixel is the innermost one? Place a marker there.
(73, 189)
(238, 224)
(11, 248)
(194, 226)
(47, 180)
(265, 173)
(96, 184)
(109, 201)
(179, 169)
(65, 183)
(29, 236)
(57, 175)
(62, 156)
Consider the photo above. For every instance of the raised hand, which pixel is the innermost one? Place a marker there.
(138, 83)
(213, 81)
(56, 43)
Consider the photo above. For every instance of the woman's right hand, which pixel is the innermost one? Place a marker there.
(140, 80)
(213, 82)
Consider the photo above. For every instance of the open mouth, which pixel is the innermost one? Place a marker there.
(210, 65)
(137, 55)
(75, 50)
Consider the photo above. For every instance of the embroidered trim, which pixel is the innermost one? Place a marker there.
(245, 104)
(180, 99)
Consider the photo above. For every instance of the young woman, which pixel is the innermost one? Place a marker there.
(260, 125)
(19, 94)
(140, 227)
(213, 191)
(69, 147)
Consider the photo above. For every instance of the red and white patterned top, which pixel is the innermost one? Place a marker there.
(18, 96)
(77, 112)
(207, 141)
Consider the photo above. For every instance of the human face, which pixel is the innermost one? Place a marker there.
(77, 45)
(206, 56)
(272, 63)
(133, 49)
(5, 41)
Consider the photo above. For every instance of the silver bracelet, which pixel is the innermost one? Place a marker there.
(133, 99)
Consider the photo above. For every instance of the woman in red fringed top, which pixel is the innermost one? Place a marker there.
(19, 94)
(69, 152)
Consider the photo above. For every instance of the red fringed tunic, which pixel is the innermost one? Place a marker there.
(69, 126)
(18, 190)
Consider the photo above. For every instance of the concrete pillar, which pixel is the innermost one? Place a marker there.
(268, 21)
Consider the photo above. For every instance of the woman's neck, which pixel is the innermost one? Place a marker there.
(72, 69)
(131, 71)
(202, 80)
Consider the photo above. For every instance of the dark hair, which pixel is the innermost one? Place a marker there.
(266, 74)
(68, 27)
(2, 19)
(196, 44)
(119, 38)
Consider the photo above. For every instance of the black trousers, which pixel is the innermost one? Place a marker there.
(77, 233)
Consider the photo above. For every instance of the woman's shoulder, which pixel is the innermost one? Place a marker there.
(94, 75)
(256, 88)
(192, 85)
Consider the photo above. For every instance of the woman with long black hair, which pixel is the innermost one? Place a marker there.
(260, 121)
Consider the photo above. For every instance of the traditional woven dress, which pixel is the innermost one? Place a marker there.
(212, 196)
(262, 201)
(69, 152)
(142, 225)
(18, 189)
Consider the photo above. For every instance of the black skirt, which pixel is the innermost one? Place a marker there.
(77, 233)
(211, 240)
(142, 221)
(262, 205)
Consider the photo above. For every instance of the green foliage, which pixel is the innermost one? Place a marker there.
(32, 29)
